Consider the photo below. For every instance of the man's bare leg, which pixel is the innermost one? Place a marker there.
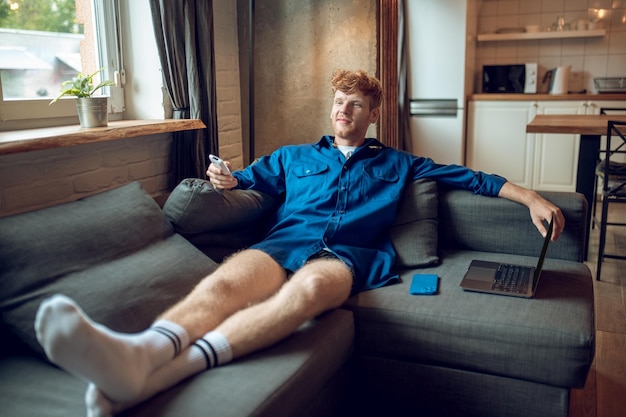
(319, 286)
(118, 364)
(246, 278)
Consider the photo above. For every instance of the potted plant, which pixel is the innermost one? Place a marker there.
(92, 111)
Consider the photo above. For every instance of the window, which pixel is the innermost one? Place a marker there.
(45, 42)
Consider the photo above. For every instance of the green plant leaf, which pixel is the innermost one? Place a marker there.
(81, 86)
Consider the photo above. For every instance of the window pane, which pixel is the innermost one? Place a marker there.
(40, 46)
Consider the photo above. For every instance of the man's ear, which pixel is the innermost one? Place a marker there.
(375, 114)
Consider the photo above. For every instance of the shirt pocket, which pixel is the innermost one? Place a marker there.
(309, 178)
(308, 170)
(380, 183)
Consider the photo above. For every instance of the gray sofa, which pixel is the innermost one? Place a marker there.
(124, 259)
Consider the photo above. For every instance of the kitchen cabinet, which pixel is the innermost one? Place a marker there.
(555, 162)
(497, 141)
(596, 106)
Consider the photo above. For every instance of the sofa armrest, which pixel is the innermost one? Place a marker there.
(474, 222)
(218, 221)
(194, 206)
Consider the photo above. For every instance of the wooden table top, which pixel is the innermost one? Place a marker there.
(572, 123)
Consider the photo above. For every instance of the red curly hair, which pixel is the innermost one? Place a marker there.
(349, 82)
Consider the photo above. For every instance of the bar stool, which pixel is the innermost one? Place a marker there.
(611, 172)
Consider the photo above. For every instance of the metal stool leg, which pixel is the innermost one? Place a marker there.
(602, 242)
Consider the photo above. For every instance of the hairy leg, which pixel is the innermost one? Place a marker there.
(246, 278)
(119, 364)
(319, 286)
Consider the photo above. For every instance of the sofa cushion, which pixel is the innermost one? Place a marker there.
(115, 253)
(215, 221)
(548, 339)
(464, 224)
(414, 233)
(194, 207)
(284, 380)
(238, 218)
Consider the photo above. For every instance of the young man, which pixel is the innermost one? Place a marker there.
(328, 241)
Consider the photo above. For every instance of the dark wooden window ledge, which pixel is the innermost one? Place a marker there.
(57, 137)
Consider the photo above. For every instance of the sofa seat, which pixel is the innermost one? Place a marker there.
(118, 256)
(475, 348)
(545, 339)
(444, 355)
(385, 352)
(299, 377)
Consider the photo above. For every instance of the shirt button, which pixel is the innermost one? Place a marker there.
(308, 171)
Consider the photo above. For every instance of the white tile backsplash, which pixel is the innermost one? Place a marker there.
(589, 57)
(576, 5)
(617, 43)
(508, 7)
(618, 20)
(530, 6)
(616, 65)
(548, 6)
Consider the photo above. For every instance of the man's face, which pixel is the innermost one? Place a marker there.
(351, 116)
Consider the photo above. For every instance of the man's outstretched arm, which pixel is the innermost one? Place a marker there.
(541, 210)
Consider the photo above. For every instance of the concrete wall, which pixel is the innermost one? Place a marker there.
(298, 44)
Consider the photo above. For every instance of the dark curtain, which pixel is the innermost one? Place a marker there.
(404, 131)
(184, 37)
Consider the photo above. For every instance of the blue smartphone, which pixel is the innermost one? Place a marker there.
(424, 284)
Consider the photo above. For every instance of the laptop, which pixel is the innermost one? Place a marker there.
(506, 279)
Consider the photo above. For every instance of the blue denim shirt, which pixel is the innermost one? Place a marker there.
(345, 206)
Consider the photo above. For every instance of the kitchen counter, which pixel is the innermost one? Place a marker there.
(546, 97)
(582, 124)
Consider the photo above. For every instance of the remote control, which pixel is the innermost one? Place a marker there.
(218, 161)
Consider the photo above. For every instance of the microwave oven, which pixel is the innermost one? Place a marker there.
(516, 78)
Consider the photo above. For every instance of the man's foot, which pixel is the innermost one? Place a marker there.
(98, 405)
(205, 353)
(118, 364)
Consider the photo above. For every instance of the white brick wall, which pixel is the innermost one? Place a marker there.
(33, 180)
(228, 92)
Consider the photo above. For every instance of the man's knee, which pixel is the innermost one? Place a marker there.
(329, 281)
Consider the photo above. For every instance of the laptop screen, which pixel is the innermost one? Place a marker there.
(546, 241)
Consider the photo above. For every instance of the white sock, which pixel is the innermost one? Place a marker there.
(118, 364)
(216, 349)
(206, 353)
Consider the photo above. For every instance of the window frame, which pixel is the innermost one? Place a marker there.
(36, 112)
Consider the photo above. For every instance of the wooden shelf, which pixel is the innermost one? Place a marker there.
(485, 37)
(57, 137)
(546, 97)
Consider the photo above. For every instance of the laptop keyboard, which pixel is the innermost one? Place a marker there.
(512, 279)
